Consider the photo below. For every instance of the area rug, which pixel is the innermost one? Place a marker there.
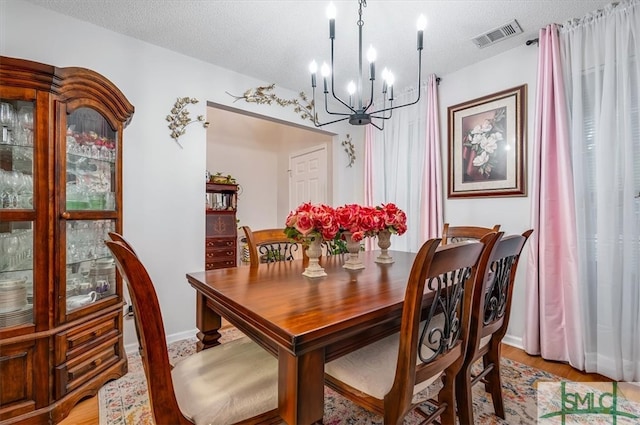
(125, 401)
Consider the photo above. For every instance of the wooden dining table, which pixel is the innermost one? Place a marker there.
(303, 321)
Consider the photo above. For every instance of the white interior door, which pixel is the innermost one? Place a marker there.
(308, 176)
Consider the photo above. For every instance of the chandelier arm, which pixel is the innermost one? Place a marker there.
(391, 108)
(318, 124)
(326, 108)
(370, 100)
(333, 85)
(377, 126)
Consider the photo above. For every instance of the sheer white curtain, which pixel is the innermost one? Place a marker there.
(398, 159)
(602, 74)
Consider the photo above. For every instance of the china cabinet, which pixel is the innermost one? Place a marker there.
(221, 228)
(60, 194)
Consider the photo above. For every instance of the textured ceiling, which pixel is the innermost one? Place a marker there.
(276, 40)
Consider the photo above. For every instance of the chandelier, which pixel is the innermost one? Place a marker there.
(357, 109)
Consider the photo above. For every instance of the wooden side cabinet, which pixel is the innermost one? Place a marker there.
(221, 248)
(61, 299)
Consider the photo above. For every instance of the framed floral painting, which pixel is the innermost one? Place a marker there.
(487, 145)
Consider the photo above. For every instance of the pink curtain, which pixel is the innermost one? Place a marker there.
(431, 221)
(368, 176)
(553, 325)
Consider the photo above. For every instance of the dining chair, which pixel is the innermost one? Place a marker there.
(235, 382)
(489, 321)
(453, 234)
(334, 247)
(269, 246)
(395, 375)
(118, 237)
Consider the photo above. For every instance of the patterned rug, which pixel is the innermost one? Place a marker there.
(125, 401)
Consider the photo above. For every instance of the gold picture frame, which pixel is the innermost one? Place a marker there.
(487, 145)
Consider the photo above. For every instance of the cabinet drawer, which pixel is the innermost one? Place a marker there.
(80, 369)
(81, 338)
(211, 243)
(224, 263)
(214, 254)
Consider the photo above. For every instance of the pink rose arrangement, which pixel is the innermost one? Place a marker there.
(311, 221)
(393, 219)
(360, 221)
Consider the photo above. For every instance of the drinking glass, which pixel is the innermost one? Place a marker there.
(7, 120)
(25, 124)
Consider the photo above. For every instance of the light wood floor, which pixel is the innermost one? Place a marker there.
(86, 412)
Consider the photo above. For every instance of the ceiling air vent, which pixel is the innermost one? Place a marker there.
(497, 34)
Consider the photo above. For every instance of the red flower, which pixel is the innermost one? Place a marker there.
(310, 221)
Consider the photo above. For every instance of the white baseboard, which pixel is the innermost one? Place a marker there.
(513, 341)
(133, 348)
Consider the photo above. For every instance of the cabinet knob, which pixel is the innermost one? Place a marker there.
(65, 215)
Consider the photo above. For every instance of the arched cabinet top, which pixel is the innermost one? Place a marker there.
(67, 84)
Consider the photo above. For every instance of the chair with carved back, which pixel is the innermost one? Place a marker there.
(334, 247)
(270, 246)
(453, 234)
(395, 375)
(235, 382)
(489, 323)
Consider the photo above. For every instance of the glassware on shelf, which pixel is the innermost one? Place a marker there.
(25, 126)
(7, 121)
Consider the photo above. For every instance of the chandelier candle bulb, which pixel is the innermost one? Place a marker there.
(313, 68)
(371, 57)
(331, 14)
(422, 25)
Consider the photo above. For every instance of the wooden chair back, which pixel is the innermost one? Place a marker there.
(119, 238)
(269, 246)
(489, 322)
(498, 288)
(450, 273)
(453, 234)
(154, 353)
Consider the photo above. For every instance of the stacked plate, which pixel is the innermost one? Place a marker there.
(14, 309)
(104, 269)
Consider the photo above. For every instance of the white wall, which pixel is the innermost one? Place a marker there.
(164, 183)
(513, 68)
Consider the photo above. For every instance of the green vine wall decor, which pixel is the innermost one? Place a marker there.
(264, 95)
(179, 117)
(350, 150)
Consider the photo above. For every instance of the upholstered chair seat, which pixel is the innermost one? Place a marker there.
(372, 370)
(255, 393)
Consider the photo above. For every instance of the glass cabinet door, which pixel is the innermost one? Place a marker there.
(16, 154)
(90, 166)
(90, 269)
(16, 193)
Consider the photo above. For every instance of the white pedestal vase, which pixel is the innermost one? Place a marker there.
(384, 242)
(313, 252)
(353, 262)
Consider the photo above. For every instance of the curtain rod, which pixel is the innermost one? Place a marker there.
(532, 41)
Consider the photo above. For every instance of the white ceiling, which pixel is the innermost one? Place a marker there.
(275, 40)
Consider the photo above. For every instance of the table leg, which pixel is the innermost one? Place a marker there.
(208, 323)
(301, 387)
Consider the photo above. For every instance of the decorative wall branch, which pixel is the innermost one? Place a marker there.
(350, 150)
(264, 95)
(179, 117)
